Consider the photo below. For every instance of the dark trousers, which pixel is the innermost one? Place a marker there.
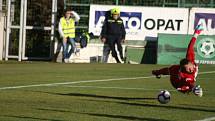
(112, 41)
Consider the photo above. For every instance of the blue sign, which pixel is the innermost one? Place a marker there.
(131, 20)
(209, 18)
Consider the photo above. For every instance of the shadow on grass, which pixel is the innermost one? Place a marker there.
(106, 115)
(145, 104)
(54, 110)
(31, 118)
(96, 96)
(168, 107)
(202, 106)
(131, 118)
(184, 107)
(104, 97)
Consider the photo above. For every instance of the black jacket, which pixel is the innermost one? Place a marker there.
(113, 27)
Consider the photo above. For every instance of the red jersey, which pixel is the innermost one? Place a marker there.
(184, 82)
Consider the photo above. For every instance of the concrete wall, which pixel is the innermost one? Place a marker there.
(91, 54)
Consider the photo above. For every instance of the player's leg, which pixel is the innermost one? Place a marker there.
(73, 46)
(106, 52)
(111, 43)
(119, 47)
(163, 71)
(72, 41)
(65, 49)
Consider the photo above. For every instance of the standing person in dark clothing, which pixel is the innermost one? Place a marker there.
(113, 33)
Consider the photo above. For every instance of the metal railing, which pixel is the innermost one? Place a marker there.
(3, 6)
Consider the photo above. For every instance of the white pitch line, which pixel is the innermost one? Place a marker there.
(75, 82)
(87, 81)
(208, 119)
(207, 72)
(121, 88)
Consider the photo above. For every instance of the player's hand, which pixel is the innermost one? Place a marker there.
(72, 13)
(123, 40)
(103, 39)
(198, 30)
(64, 39)
(154, 72)
(197, 90)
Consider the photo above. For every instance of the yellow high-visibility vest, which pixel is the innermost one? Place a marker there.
(68, 27)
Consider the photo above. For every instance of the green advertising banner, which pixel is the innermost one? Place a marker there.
(172, 48)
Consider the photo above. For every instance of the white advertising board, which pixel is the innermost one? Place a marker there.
(204, 16)
(142, 22)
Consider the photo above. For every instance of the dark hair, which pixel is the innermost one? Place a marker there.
(183, 62)
(67, 9)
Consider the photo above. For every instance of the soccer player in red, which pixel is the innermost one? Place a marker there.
(183, 76)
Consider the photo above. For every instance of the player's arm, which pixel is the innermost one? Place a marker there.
(123, 32)
(184, 89)
(197, 90)
(75, 16)
(60, 29)
(190, 50)
(104, 30)
(189, 86)
(163, 71)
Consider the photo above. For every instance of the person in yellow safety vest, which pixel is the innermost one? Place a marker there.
(66, 29)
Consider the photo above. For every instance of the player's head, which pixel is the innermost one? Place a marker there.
(67, 12)
(186, 66)
(115, 13)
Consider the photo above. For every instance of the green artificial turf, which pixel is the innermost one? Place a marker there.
(25, 97)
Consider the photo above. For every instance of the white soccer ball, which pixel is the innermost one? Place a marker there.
(164, 97)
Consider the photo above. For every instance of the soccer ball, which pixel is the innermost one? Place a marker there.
(164, 97)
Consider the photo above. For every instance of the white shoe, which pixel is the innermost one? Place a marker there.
(66, 60)
(77, 52)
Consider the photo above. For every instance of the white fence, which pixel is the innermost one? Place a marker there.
(2, 35)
